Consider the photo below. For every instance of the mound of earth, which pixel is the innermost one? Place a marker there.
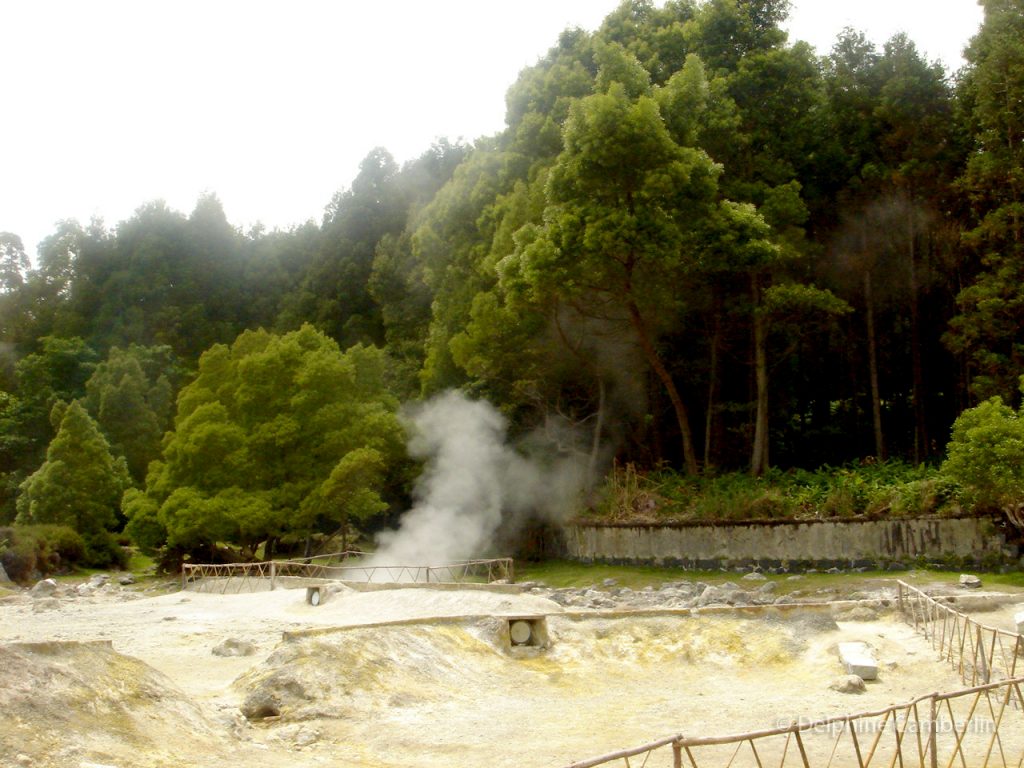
(72, 701)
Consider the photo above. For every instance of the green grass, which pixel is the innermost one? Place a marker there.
(562, 573)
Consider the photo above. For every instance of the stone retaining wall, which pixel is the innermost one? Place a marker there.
(796, 545)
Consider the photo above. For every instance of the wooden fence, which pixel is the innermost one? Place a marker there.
(235, 578)
(977, 727)
(972, 728)
(979, 653)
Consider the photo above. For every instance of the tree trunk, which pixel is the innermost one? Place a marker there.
(759, 452)
(654, 359)
(920, 423)
(595, 446)
(709, 420)
(876, 398)
(869, 315)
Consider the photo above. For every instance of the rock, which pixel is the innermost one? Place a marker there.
(755, 576)
(260, 705)
(99, 579)
(233, 647)
(610, 583)
(767, 587)
(125, 579)
(858, 613)
(1019, 619)
(45, 604)
(848, 684)
(22, 759)
(969, 581)
(4, 578)
(44, 588)
(84, 590)
(857, 659)
(726, 594)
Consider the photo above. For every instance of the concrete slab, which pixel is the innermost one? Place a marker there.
(857, 659)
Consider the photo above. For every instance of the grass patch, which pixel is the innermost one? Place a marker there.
(567, 574)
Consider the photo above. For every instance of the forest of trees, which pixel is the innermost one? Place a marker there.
(704, 245)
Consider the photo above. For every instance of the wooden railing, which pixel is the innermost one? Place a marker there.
(979, 653)
(973, 728)
(235, 578)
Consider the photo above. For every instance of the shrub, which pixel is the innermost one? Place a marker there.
(36, 551)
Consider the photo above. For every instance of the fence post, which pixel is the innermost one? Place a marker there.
(677, 755)
(933, 732)
(273, 574)
(183, 582)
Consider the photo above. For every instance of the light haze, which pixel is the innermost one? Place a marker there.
(272, 105)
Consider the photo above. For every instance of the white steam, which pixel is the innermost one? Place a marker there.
(472, 483)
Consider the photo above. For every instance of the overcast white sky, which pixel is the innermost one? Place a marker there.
(271, 104)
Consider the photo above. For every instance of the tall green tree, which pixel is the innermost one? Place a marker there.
(131, 396)
(79, 485)
(623, 223)
(257, 435)
(988, 330)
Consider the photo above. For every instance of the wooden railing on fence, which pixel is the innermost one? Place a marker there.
(974, 728)
(235, 578)
(979, 653)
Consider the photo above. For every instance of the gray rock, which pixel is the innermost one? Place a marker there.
(45, 604)
(4, 578)
(755, 576)
(858, 613)
(260, 705)
(768, 587)
(99, 579)
(848, 684)
(610, 583)
(125, 579)
(233, 647)
(969, 581)
(44, 588)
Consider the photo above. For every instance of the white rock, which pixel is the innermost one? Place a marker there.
(969, 581)
(44, 588)
(1019, 619)
(848, 684)
(857, 659)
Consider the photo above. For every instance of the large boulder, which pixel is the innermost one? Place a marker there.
(848, 684)
(4, 578)
(234, 647)
(44, 588)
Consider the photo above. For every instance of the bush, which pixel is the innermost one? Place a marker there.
(872, 490)
(36, 551)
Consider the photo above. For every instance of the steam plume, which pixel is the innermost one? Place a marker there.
(471, 481)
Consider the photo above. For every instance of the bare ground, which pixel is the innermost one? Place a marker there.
(364, 692)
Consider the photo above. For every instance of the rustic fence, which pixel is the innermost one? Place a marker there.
(235, 578)
(979, 653)
(976, 727)
(972, 728)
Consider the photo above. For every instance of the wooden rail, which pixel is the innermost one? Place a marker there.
(972, 728)
(235, 578)
(979, 653)
(975, 727)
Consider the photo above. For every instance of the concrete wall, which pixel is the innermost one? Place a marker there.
(794, 545)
